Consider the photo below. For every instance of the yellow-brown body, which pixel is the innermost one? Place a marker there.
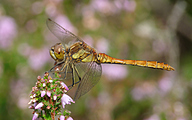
(81, 52)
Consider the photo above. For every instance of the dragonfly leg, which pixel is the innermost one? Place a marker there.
(72, 77)
(56, 66)
(71, 86)
(74, 70)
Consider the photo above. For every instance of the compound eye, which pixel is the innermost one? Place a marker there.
(59, 54)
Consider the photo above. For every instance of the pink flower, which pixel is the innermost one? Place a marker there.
(115, 72)
(38, 58)
(35, 116)
(44, 84)
(39, 105)
(8, 31)
(66, 100)
(54, 97)
(69, 118)
(42, 93)
(102, 45)
(64, 85)
(130, 5)
(49, 93)
(62, 117)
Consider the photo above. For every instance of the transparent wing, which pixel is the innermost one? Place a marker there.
(61, 33)
(91, 75)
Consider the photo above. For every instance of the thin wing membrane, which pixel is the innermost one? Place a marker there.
(61, 33)
(92, 74)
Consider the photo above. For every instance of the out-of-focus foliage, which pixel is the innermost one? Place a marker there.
(127, 29)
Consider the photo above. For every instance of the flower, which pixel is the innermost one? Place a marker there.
(54, 97)
(66, 100)
(49, 93)
(35, 116)
(42, 93)
(49, 99)
(44, 84)
(69, 118)
(39, 105)
(8, 31)
(62, 117)
(64, 85)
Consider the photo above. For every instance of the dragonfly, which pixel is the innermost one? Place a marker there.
(79, 62)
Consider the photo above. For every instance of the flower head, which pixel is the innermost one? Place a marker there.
(47, 96)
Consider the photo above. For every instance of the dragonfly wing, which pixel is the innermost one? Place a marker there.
(61, 33)
(92, 74)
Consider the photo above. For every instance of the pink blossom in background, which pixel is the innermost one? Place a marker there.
(129, 5)
(102, 45)
(159, 46)
(38, 58)
(114, 72)
(22, 101)
(118, 4)
(8, 31)
(153, 117)
(65, 23)
(31, 26)
(89, 20)
(88, 40)
(104, 6)
(37, 7)
(51, 9)
(146, 89)
(112, 7)
(165, 84)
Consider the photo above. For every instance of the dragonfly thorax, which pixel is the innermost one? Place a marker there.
(57, 52)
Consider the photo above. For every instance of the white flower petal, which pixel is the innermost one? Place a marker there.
(35, 116)
(39, 105)
(69, 118)
(62, 117)
(42, 93)
(66, 100)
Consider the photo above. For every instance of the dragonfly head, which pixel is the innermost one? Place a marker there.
(57, 52)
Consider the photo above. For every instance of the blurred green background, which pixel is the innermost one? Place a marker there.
(127, 29)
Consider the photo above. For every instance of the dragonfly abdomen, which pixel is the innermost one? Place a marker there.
(103, 58)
